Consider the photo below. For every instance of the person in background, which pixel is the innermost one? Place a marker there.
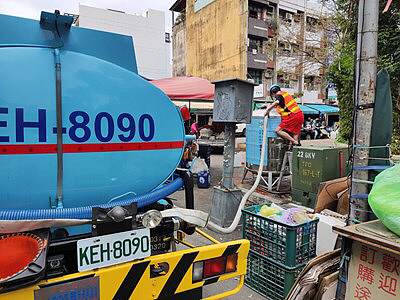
(292, 116)
(194, 129)
(186, 117)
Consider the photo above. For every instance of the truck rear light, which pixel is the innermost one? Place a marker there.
(214, 267)
(231, 263)
(197, 271)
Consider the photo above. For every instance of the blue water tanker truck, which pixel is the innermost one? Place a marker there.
(89, 155)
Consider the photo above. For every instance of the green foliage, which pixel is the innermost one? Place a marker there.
(342, 70)
(180, 18)
(341, 74)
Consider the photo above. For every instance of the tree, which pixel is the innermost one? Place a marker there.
(341, 72)
(306, 42)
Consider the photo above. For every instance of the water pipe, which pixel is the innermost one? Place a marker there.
(86, 211)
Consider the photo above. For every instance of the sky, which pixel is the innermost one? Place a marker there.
(31, 8)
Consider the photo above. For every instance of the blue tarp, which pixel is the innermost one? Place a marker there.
(324, 109)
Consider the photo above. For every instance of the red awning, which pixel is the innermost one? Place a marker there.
(186, 88)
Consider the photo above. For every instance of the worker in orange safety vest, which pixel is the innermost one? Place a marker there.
(292, 116)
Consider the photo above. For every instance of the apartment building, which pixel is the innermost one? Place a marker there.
(268, 42)
(152, 43)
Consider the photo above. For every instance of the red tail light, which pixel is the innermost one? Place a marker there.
(214, 267)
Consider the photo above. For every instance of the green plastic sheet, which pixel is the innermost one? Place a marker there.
(384, 198)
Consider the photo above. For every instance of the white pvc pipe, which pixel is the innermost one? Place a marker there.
(235, 222)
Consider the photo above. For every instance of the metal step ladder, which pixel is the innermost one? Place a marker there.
(378, 168)
(287, 163)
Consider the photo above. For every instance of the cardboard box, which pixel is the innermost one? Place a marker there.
(343, 202)
(328, 193)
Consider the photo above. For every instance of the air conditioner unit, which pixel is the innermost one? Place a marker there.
(288, 47)
(268, 74)
(254, 51)
(288, 16)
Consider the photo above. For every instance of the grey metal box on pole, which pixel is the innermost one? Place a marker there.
(233, 101)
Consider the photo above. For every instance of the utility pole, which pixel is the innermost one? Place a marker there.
(364, 95)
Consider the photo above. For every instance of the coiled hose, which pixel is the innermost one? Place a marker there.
(85, 212)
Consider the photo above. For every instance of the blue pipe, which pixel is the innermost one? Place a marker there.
(85, 212)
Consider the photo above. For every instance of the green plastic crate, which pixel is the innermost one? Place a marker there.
(290, 245)
(272, 280)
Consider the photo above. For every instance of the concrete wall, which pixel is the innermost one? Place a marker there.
(179, 49)
(216, 40)
(153, 54)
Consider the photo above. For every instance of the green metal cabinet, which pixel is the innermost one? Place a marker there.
(313, 165)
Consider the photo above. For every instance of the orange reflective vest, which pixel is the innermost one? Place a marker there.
(291, 106)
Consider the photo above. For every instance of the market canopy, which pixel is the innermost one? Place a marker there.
(186, 88)
(316, 109)
(324, 109)
(308, 110)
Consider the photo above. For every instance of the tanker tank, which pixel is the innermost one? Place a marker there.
(78, 125)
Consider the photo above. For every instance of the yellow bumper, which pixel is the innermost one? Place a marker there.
(133, 281)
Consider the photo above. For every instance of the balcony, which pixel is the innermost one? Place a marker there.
(257, 60)
(265, 2)
(260, 28)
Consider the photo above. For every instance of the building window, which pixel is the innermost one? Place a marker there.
(258, 12)
(312, 24)
(285, 16)
(285, 49)
(309, 83)
(254, 75)
(284, 81)
(270, 10)
(167, 37)
(256, 44)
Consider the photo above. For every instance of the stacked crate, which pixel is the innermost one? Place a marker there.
(278, 252)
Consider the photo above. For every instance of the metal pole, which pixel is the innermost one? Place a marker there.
(367, 41)
(59, 129)
(229, 154)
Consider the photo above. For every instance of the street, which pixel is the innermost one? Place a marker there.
(203, 198)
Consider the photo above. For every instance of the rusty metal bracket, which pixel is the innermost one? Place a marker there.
(365, 106)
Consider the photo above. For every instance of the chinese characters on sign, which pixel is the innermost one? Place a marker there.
(362, 293)
(373, 274)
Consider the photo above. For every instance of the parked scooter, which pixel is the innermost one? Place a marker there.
(320, 131)
(307, 131)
